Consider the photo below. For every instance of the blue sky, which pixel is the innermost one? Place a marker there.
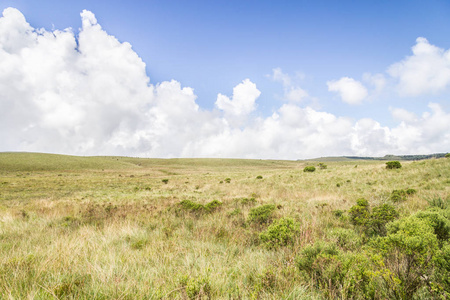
(212, 46)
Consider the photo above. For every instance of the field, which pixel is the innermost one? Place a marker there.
(132, 228)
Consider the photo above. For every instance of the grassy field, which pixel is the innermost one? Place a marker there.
(132, 228)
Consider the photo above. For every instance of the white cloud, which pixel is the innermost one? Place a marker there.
(243, 100)
(350, 90)
(403, 115)
(292, 92)
(426, 71)
(89, 94)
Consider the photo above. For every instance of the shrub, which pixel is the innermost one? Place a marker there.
(322, 265)
(438, 221)
(359, 213)
(322, 166)
(408, 250)
(280, 233)
(259, 177)
(393, 164)
(447, 155)
(248, 201)
(213, 205)
(199, 208)
(165, 181)
(309, 169)
(380, 216)
(398, 195)
(261, 214)
(227, 180)
(411, 191)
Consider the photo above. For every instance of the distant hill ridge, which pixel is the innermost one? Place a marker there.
(386, 157)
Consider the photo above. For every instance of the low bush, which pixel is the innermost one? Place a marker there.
(359, 213)
(262, 214)
(259, 177)
(398, 196)
(194, 207)
(322, 166)
(393, 165)
(380, 216)
(309, 169)
(280, 233)
(165, 181)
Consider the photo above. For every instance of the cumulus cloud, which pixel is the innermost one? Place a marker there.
(243, 100)
(350, 90)
(292, 92)
(89, 94)
(427, 70)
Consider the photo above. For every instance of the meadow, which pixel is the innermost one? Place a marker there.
(134, 228)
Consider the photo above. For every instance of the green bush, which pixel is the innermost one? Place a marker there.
(411, 191)
(194, 207)
(261, 214)
(438, 221)
(398, 196)
(447, 155)
(280, 233)
(393, 164)
(227, 180)
(165, 181)
(322, 166)
(259, 177)
(359, 213)
(408, 250)
(380, 216)
(309, 169)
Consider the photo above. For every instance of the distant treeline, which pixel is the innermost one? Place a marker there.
(400, 157)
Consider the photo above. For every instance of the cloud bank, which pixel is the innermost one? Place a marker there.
(89, 94)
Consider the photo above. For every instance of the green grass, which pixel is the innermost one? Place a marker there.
(109, 228)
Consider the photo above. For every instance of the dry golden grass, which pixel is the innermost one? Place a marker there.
(86, 231)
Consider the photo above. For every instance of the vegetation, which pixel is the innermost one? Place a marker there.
(309, 169)
(110, 228)
(393, 164)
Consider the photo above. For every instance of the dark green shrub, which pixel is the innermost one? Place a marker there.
(398, 196)
(393, 165)
(380, 216)
(359, 213)
(165, 181)
(261, 214)
(411, 191)
(227, 180)
(447, 155)
(280, 233)
(259, 177)
(309, 169)
(338, 213)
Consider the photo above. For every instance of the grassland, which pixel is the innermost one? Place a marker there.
(114, 228)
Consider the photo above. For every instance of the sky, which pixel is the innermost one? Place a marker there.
(232, 79)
